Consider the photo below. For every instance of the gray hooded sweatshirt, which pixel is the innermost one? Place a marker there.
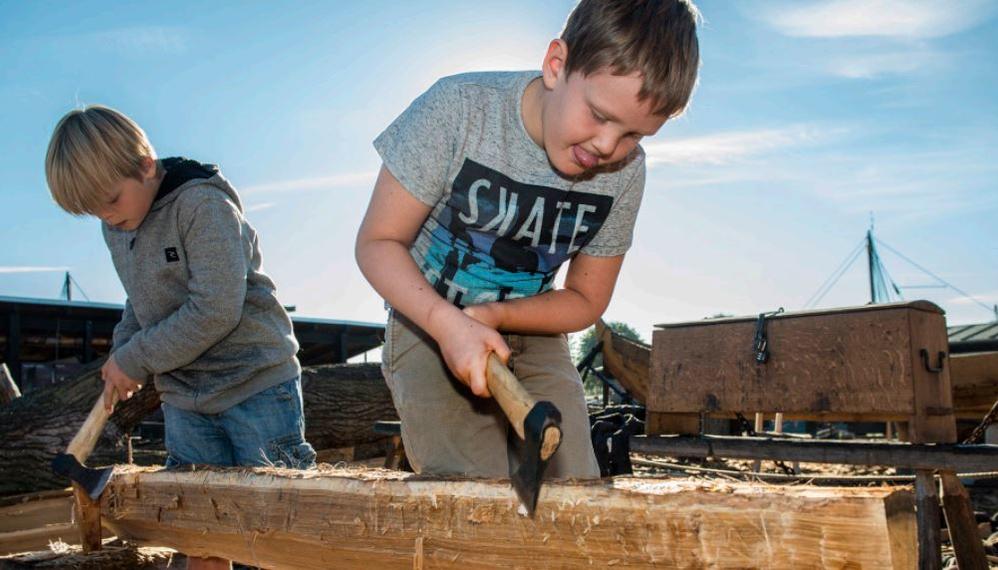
(201, 317)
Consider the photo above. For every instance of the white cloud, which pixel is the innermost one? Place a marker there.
(259, 207)
(30, 269)
(318, 183)
(876, 64)
(879, 18)
(721, 148)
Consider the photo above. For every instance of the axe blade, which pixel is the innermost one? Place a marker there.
(93, 481)
(527, 480)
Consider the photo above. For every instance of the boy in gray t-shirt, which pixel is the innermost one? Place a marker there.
(490, 181)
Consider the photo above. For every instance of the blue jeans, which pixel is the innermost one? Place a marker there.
(267, 429)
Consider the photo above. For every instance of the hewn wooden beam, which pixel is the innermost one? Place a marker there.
(629, 361)
(385, 519)
(975, 383)
(962, 458)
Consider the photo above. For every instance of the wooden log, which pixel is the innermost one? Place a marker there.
(962, 458)
(8, 389)
(389, 519)
(40, 424)
(342, 402)
(629, 361)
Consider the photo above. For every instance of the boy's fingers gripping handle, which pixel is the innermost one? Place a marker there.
(85, 440)
(507, 390)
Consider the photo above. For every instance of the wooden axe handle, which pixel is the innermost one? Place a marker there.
(508, 391)
(84, 441)
(517, 403)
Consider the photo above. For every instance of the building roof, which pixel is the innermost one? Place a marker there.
(42, 330)
(982, 331)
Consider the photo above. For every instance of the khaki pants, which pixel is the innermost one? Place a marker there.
(448, 430)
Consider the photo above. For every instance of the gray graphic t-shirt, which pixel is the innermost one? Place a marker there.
(503, 220)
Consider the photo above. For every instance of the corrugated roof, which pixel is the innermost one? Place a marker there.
(983, 331)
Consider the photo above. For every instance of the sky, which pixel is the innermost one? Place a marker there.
(812, 119)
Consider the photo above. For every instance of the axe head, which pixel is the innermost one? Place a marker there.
(542, 435)
(93, 481)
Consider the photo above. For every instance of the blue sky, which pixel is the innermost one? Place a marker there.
(809, 116)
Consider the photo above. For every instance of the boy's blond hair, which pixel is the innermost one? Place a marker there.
(656, 38)
(93, 149)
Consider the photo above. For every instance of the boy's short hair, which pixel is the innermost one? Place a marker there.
(92, 149)
(656, 38)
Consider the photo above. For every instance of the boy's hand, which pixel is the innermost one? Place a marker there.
(466, 343)
(115, 380)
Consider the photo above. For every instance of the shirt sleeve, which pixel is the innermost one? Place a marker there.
(419, 146)
(218, 259)
(615, 236)
(126, 327)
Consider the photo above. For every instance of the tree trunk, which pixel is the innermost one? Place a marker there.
(40, 424)
(342, 402)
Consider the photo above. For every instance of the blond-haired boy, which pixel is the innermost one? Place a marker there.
(490, 181)
(201, 318)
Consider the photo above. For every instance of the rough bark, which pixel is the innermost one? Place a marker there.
(40, 424)
(386, 519)
(342, 402)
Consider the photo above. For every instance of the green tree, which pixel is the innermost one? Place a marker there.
(585, 341)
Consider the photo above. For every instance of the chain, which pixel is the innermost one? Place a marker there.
(978, 433)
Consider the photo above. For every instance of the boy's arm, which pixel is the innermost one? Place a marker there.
(588, 287)
(126, 327)
(217, 264)
(390, 225)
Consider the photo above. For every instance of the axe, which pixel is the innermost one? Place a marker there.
(537, 423)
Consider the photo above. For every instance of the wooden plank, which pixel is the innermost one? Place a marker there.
(86, 514)
(962, 458)
(919, 305)
(827, 363)
(961, 523)
(37, 538)
(389, 519)
(927, 508)
(975, 383)
(660, 423)
(23, 512)
(629, 361)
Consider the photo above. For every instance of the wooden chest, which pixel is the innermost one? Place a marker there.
(868, 363)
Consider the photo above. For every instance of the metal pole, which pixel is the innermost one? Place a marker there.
(869, 259)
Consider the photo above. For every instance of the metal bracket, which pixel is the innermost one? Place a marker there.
(760, 344)
(928, 366)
